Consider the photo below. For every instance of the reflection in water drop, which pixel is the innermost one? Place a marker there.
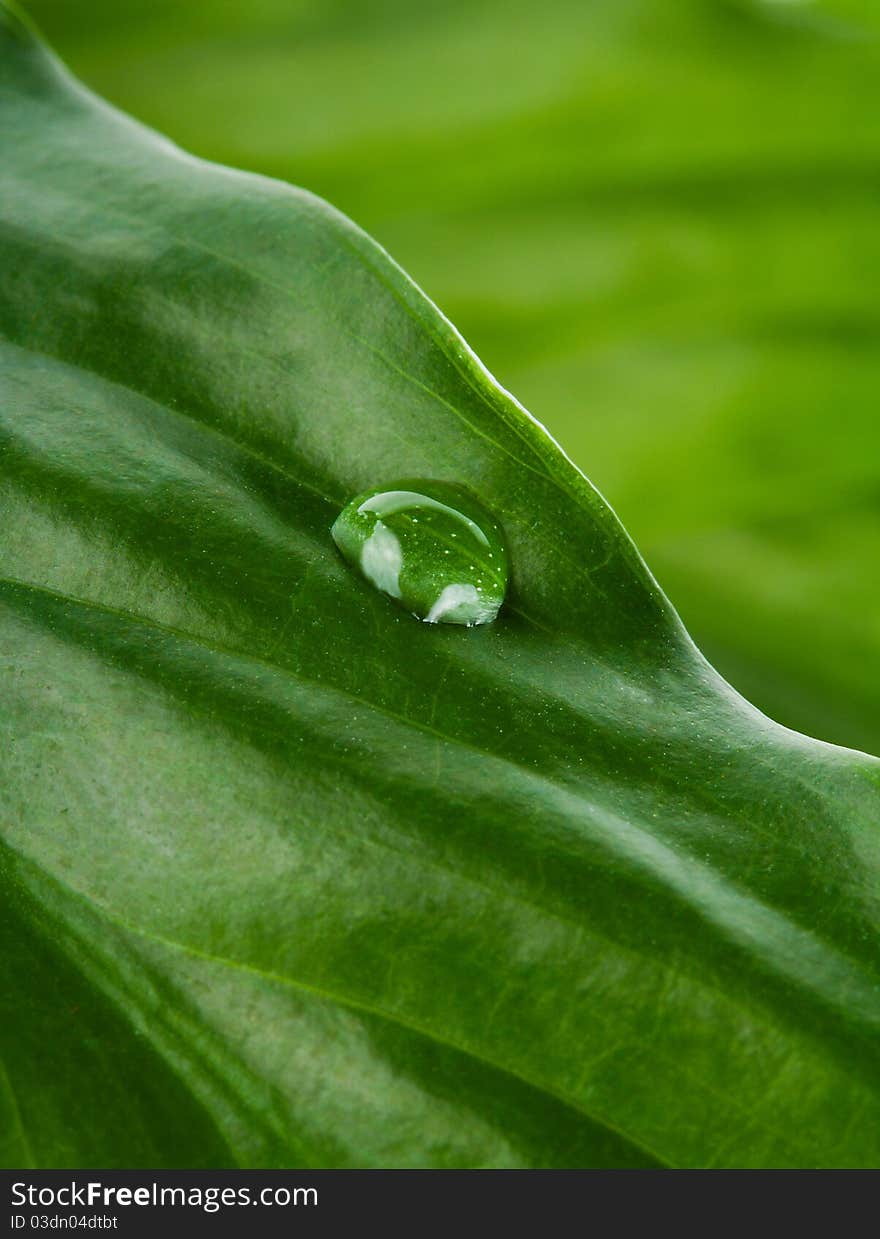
(382, 559)
(431, 546)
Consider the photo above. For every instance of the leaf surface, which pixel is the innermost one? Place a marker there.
(291, 879)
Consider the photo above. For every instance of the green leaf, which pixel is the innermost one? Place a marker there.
(660, 232)
(292, 879)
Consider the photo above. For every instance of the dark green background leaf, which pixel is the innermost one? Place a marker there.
(291, 879)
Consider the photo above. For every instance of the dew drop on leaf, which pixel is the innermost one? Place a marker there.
(429, 545)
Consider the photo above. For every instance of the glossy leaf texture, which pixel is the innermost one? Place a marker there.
(291, 879)
(660, 231)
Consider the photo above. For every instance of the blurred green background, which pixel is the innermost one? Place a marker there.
(657, 223)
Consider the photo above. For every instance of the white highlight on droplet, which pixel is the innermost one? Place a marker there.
(461, 604)
(391, 501)
(382, 559)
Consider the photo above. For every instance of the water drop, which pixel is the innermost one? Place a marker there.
(429, 545)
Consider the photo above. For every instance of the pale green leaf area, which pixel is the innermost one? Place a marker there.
(290, 878)
(655, 222)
